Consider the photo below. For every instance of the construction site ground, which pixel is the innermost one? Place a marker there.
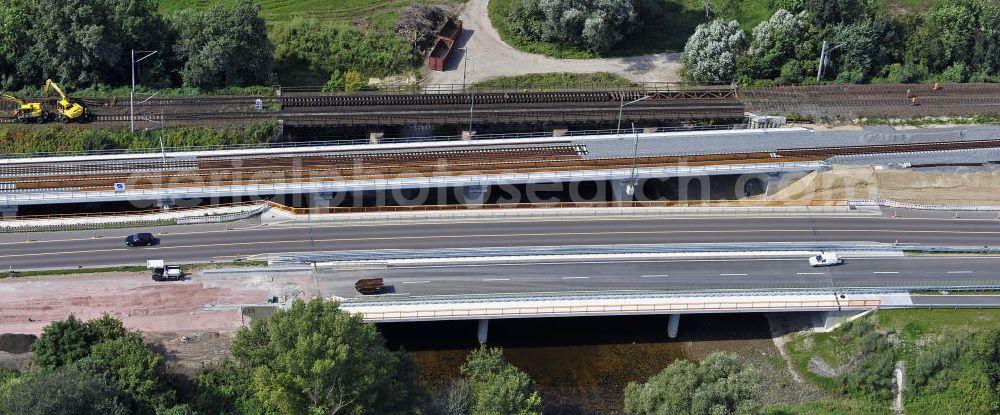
(192, 322)
(960, 186)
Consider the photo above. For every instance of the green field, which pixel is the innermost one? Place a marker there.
(549, 81)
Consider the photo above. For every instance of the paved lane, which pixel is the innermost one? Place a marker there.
(206, 243)
(668, 274)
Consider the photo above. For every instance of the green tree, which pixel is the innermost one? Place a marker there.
(224, 390)
(224, 46)
(499, 388)
(778, 41)
(67, 341)
(711, 53)
(65, 391)
(720, 384)
(865, 48)
(127, 362)
(957, 32)
(81, 43)
(595, 24)
(316, 358)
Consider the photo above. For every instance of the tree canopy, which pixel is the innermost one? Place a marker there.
(711, 53)
(595, 24)
(497, 387)
(316, 358)
(224, 46)
(720, 384)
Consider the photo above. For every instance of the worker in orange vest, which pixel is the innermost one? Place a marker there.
(937, 86)
(914, 102)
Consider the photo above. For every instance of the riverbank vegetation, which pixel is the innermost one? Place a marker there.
(311, 358)
(949, 362)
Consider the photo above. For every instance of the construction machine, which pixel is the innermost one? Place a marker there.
(67, 110)
(26, 111)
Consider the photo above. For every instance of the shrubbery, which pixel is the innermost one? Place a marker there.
(594, 24)
(16, 139)
(954, 41)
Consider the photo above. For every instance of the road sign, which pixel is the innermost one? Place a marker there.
(119, 187)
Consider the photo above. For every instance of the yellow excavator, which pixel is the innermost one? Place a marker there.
(26, 111)
(66, 110)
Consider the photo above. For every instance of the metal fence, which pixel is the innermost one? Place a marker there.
(888, 203)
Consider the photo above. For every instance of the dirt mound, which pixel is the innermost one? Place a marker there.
(16, 343)
(978, 187)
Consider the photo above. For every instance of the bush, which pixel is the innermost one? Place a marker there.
(720, 384)
(905, 73)
(26, 140)
(931, 361)
(791, 72)
(328, 47)
(958, 72)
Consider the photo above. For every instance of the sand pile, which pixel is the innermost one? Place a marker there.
(902, 185)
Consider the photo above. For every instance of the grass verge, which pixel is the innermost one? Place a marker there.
(563, 80)
(136, 268)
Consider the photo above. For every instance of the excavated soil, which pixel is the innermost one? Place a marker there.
(903, 185)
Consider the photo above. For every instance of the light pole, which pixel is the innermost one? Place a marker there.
(131, 97)
(632, 183)
(824, 57)
(621, 107)
(472, 94)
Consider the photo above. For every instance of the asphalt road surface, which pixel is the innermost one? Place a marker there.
(669, 274)
(202, 243)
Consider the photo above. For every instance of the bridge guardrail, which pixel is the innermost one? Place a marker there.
(555, 310)
(889, 203)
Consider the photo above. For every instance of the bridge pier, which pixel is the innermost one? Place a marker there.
(474, 194)
(375, 135)
(619, 190)
(320, 200)
(673, 324)
(483, 330)
(8, 211)
(165, 204)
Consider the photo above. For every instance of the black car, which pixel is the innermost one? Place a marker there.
(141, 239)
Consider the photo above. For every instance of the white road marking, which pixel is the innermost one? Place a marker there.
(808, 273)
(732, 275)
(496, 279)
(415, 282)
(959, 272)
(885, 272)
(655, 276)
(575, 278)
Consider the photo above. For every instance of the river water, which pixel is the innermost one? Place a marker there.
(581, 364)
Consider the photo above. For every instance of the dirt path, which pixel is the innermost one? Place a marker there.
(490, 57)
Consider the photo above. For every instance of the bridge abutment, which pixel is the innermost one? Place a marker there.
(673, 325)
(8, 211)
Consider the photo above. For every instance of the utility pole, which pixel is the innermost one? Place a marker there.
(131, 98)
(621, 107)
(824, 58)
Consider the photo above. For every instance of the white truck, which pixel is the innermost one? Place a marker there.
(163, 272)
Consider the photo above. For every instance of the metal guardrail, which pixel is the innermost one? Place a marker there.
(224, 218)
(554, 310)
(564, 205)
(130, 221)
(888, 203)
